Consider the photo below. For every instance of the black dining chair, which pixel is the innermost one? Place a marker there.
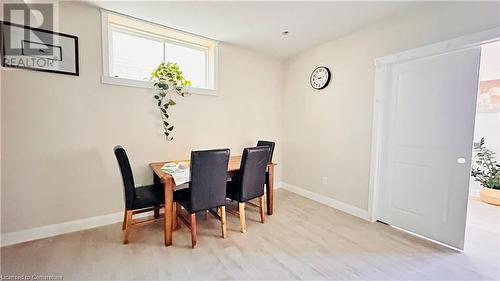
(206, 191)
(137, 199)
(270, 144)
(249, 183)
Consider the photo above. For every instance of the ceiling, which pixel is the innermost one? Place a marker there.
(259, 25)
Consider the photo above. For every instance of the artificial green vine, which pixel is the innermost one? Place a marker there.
(167, 79)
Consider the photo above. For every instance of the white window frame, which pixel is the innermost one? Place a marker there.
(161, 34)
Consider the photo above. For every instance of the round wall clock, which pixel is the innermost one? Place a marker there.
(320, 77)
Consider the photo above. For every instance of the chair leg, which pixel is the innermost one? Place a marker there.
(128, 224)
(174, 216)
(261, 201)
(243, 224)
(124, 219)
(157, 212)
(193, 230)
(223, 221)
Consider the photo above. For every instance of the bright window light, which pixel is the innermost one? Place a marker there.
(134, 57)
(132, 49)
(192, 60)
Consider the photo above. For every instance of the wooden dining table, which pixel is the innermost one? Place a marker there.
(168, 185)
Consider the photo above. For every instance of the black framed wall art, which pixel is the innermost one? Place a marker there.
(38, 49)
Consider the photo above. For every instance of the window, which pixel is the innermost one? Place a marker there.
(193, 60)
(127, 62)
(132, 49)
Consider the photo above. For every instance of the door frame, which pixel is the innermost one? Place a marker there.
(381, 79)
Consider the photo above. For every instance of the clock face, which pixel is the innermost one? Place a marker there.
(320, 77)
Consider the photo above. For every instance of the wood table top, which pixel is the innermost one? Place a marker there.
(232, 166)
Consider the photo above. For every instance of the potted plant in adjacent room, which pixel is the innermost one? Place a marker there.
(168, 80)
(486, 170)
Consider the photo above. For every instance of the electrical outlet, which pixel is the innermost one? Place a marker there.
(324, 180)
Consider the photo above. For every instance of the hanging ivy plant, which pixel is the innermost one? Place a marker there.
(168, 80)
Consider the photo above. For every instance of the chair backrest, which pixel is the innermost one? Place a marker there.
(271, 147)
(208, 178)
(127, 176)
(253, 171)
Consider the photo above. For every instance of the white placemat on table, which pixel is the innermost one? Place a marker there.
(181, 176)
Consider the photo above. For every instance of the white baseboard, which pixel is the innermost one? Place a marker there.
(59, 228)
(16, 237)
(278, 185)
(344, 207)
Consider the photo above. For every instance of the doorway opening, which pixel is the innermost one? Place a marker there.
(483, 216)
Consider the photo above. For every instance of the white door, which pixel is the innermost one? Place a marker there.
(429, 111)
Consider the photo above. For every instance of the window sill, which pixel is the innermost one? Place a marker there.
(148, 85)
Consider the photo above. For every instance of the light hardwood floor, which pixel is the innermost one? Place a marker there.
(302, 240)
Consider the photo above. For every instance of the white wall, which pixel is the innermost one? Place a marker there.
(328, 133)
(58, 131)
(488, 123)
(490, 62)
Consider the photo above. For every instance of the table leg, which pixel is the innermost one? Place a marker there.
(169, 193)
(269, 190)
